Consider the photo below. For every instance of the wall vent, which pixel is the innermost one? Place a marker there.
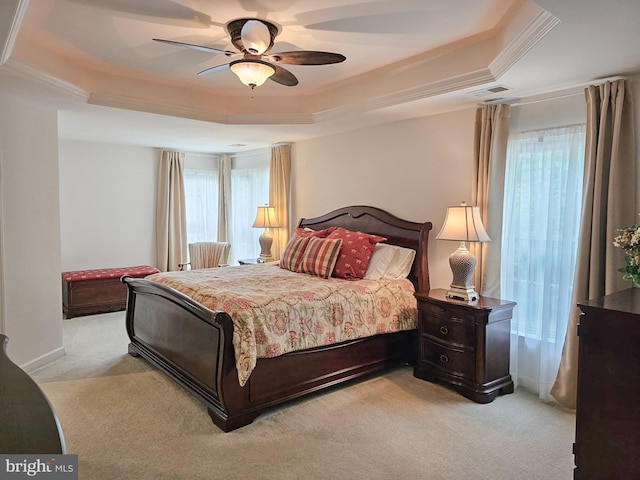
(489, 91)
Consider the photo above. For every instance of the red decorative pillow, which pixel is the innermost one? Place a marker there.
(292, 255)
(320, 256)
(357, 248)
(309, 232)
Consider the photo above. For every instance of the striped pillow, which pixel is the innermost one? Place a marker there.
(292, 255)
(320, 256)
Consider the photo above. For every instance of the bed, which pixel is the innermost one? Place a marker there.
(194, 345)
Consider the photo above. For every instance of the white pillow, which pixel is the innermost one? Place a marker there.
(389, 262)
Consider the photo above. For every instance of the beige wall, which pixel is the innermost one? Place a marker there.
(107, 205)
(30, 223)
(413, 169)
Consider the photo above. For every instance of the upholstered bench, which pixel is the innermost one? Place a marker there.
(85, 292)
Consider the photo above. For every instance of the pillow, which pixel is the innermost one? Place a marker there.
(389, 262)
(320, 256)
(292, 256)
(357, 248)
(309, 232)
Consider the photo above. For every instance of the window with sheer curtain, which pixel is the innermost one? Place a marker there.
(541, 218)
(201, 205)
(249, 189)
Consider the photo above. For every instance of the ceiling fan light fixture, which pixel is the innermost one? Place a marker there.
(256, 37)
(252, 73)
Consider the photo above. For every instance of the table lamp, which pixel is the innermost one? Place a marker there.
(463, 224)
(265, 218)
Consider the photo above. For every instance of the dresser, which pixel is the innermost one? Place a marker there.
(465, 345)
(607, 442)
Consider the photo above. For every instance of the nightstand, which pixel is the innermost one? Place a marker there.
(465, 344)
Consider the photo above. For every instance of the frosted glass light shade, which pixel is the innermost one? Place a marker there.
(256, 37)
(252, 73)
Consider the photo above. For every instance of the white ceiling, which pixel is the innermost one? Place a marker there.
(95, 60)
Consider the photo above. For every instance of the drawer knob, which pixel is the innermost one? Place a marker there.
(444, 330)
(444, 358)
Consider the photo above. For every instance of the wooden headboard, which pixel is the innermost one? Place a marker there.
(399, 232)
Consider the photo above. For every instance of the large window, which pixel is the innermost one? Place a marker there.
(543, 191)
(249, 185)
(201, 204)
(249, 189)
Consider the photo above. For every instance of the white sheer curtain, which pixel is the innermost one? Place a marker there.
(249, 189)
(201, 198)
(543, 191)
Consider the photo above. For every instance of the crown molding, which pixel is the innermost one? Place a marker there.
(440, 87)
(136, 104)
(49, 82)
(535, 30)
(19, 11)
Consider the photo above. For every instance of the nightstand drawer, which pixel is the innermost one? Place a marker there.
(448, 330)
(454, 361)
(452, 312)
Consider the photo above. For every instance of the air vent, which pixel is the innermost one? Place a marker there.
(489, 91)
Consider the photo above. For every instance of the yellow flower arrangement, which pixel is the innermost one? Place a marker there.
(629, 240)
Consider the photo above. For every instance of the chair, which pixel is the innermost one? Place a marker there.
(207, 255)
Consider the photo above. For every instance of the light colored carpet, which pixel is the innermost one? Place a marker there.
(126, 420)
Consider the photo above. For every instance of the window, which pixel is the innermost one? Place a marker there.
(249, 188)
(201, 205)
(541, 219)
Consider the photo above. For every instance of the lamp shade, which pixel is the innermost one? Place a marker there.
(463, 223)
(266, 217)
(252, 73)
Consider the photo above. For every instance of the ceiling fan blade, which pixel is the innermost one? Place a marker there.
(202, 48)
(306, 57)
(284, 77)
(216, 69)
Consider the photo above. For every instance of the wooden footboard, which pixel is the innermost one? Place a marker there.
(193, 345)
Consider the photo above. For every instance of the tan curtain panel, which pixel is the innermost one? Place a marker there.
(280, 195)
(224, 196)
(609, 190)
(171, 225)
(491, 135)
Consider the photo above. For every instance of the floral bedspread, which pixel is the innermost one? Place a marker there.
(276, 311)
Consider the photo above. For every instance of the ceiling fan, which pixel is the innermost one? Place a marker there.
(254, 38)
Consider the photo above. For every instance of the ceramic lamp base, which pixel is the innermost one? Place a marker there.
(266, 240)
(462, 264)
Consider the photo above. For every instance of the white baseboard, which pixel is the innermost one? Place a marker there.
(43, 360)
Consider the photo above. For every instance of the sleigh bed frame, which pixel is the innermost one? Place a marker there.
(193, 344)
